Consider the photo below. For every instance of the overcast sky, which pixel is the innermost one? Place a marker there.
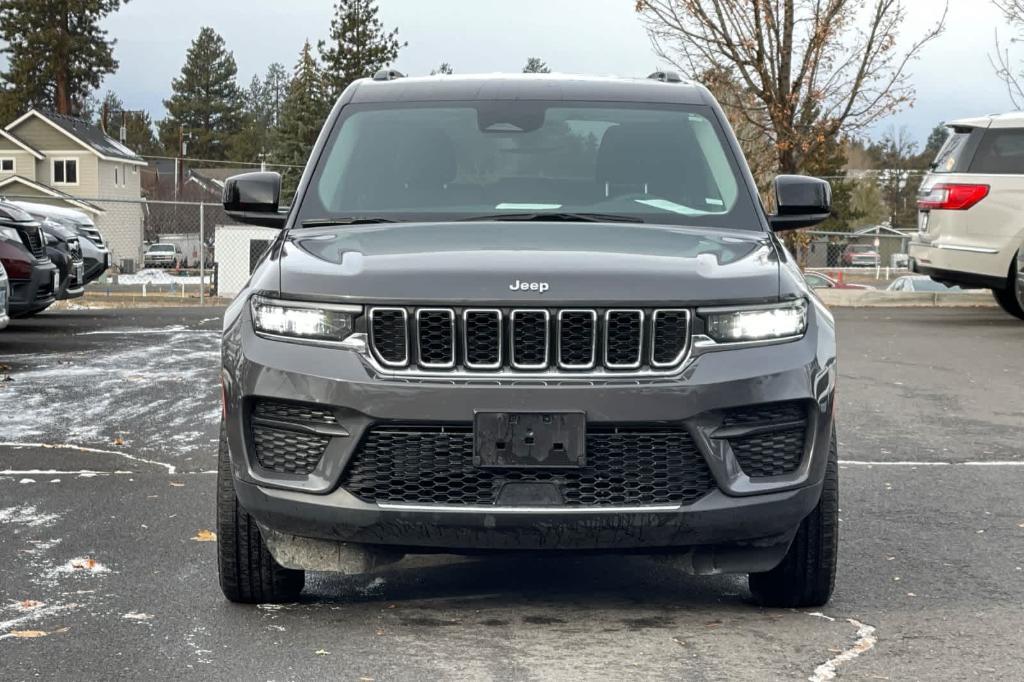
(953, 77)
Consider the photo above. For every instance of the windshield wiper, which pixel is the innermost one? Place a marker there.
(355, 220)
(560, 217)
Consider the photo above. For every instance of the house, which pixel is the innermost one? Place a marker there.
(51, 158)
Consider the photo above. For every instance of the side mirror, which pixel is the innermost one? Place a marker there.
(253, 198)
(800, 202)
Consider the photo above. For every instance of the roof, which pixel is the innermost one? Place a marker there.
(89, 135)
(51, 192)
(21, 143)
(215, 175)
(1012, 119)
(547, 86)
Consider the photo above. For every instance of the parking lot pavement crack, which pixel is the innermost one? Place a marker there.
(171, 469)
(866, 640)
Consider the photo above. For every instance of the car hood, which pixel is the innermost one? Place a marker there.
(489, 262)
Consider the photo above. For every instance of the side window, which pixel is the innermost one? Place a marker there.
(7, 165)
(1000, 152)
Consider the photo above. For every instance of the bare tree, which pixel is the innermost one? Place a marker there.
(815, 70)
(1013, 77)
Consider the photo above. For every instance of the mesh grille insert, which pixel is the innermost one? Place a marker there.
(670, 334)
(576, 336)
(530, 338)
(287, 452)
(294, 412)
(776, 445)
(436, 337)
(388, 332)
(483, 338)
(624, 331)
(434, 465)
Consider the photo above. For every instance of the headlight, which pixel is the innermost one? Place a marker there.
(10, 233)
(316, 322)
(51, 240)
(761, 323)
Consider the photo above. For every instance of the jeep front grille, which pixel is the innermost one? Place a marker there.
(433, 464)
(571, 340)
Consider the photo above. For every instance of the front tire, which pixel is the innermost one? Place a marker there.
(1011, 299)
(249, 574)
(807, 574)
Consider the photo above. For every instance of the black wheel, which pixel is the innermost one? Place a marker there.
(1011, 299)
(248, 572)
(807, 574)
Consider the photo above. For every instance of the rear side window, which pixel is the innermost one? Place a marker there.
(952, 157)
(1000, 152)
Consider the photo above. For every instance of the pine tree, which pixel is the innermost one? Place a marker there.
(536, 65)
(358, 46)
(275, 89)
(444, 70)
(302, 115)
(207, 104)
(111, 115)
(57, 54)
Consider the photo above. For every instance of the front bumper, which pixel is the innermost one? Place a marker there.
(757, 516)
(35, 294)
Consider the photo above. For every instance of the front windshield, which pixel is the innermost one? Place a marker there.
(457, 160)
(162, 247)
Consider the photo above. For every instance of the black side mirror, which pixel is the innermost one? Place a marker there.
(800, 202)
(253, 198)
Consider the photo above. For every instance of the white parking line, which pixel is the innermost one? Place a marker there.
(866, 640)
(171, 469)
(980, 463)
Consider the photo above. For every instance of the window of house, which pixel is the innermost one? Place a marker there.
(65, 171)
(115, 175)
(7, 165)
(124, 176)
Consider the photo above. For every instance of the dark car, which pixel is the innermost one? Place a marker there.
(64, 249)
(5, 296)
(95, 254)
(34, 279)
(528, 314)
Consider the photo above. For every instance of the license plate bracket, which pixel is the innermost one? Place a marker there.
(529, 440)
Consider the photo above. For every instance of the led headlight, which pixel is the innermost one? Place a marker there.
(300, 320)
(761, 323)
(10, 233)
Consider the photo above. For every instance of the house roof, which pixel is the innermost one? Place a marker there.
(215, 175)
(21, 143)
(86, 134)
(875, 229)
(51, 192)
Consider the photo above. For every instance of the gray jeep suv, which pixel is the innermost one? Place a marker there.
(527, 314)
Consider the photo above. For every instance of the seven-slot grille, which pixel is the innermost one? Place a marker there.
(528, 339)
(75, 249)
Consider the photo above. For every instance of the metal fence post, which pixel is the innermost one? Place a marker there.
(202, 253)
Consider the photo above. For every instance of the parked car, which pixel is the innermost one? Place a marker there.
(861, 255)
(5, 297)
(95, 254)
(969, 206)
(63, 248)
(603, 349)
(34, 279)
(162, 256)
(819, 280)
(924, 283)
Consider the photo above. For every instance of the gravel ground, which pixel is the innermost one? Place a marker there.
(107, 446)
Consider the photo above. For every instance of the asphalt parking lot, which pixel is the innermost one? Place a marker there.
(108, 426)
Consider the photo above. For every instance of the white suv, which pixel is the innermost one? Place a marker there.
(971, 210)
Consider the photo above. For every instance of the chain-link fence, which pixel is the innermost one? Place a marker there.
(157, 247)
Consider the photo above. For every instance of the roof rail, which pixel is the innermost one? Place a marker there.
(666, 77)
(388, 75)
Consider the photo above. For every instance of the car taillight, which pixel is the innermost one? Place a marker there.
(951, 197)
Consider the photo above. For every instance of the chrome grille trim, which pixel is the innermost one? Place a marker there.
(640, 340)
(373, 344)
(654, 336)
(547, 338)
(419, 338)
(495, 312)
(483, 339)
(593, 339)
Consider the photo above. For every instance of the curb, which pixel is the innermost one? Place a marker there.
(864, 298)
